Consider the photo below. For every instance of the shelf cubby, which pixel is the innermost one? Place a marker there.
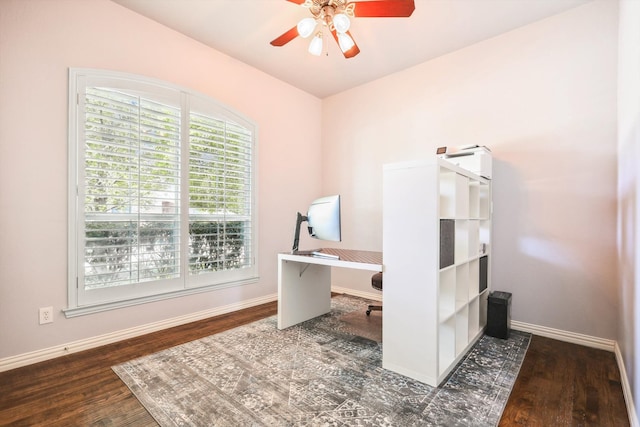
(447, 294)
(484, 201)
(474, 199)
(482, 308)
(462, 196)
(447, 193)
(462, 329)
(484, 232)
(446, 343)
(473, 284)
(474, 317)
(462, 287)
(473, 238)
(461, 239)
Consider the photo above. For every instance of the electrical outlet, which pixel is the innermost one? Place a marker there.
(46, 315)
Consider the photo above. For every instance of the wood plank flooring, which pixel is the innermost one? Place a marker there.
(559, 384)
(563, 384)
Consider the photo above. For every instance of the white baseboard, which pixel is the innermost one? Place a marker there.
(560, 335)
(367, 295)
(25, 359)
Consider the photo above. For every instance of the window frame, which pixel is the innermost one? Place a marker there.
(81, 301)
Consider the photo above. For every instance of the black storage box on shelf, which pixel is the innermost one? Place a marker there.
(499, 314)
(447, 242)
(484, 272)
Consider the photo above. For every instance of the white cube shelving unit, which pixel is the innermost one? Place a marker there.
(433, 313)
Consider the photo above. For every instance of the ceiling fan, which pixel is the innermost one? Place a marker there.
(333, 16)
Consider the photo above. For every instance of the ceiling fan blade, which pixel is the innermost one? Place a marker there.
(351, 52)
(383, 8)
(286, 37)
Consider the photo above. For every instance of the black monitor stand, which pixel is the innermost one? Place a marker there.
(296, 236)
(296, 242)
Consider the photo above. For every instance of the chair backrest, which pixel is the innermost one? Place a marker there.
(376, 281)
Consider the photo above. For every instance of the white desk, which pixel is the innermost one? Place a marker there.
(304, 282)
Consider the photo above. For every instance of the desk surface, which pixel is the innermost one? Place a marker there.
(361, 260)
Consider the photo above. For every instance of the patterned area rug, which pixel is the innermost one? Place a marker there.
(318, 373)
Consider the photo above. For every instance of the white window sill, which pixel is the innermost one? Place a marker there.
(84, 310)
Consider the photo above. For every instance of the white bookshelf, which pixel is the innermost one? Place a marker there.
(433, 314)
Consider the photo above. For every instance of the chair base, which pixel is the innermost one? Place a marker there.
(373, 308)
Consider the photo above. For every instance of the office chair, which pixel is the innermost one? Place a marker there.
(376, 283)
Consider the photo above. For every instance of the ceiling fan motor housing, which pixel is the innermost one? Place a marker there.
(325, 10)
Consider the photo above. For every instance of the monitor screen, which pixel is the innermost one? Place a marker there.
(323, 220)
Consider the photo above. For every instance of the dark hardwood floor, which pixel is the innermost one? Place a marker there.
(563, 384)
(560, 384)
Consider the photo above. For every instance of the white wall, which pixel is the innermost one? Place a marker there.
(543, 98)
(39, 40)
(628, 188)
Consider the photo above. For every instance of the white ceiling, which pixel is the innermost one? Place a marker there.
(243, 29)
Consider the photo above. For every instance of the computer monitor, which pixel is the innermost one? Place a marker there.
(323, 221)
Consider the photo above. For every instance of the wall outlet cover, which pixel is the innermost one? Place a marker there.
(46, 315)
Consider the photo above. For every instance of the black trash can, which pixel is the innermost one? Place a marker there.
(499, 314)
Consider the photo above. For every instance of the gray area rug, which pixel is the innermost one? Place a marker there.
(318, 373)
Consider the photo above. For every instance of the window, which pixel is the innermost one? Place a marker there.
(162, 194)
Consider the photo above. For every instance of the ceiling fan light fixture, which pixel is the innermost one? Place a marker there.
(345, 42)
(341, 23)
(336, 16)
(315, 47)
(306, 27)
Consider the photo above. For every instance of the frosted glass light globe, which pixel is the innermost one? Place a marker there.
(315, 47)
(345, 42)
(306, 27)
(341, 23)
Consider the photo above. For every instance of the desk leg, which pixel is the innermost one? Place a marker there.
(304, 292)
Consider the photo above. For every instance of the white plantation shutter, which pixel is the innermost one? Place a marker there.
(162, 197)
(219, 194)
(132, 198)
